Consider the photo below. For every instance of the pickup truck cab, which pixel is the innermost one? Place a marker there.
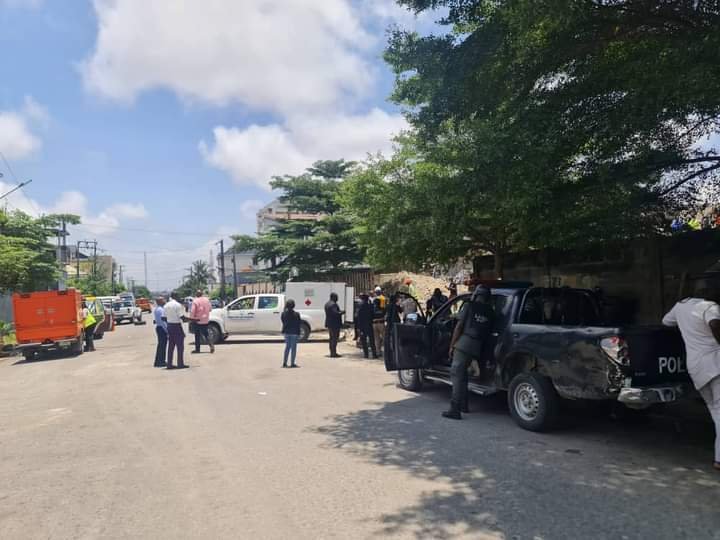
(124, 309)
(547, 345)
(260, 314)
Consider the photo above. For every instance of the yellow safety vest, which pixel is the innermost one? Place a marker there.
(89, 320)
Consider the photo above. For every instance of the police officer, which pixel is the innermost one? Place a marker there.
(471, 333)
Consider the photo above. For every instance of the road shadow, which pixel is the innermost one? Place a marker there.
(603, 480)
(47, 357)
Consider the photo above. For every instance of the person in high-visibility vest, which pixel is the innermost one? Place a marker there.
(89, 324)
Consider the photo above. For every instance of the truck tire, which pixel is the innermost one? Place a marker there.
(304, 331)
(534, 404)
(215, 336)
(410, 379)
(77, 348)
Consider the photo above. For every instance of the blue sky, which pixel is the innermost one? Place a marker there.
(147, 116)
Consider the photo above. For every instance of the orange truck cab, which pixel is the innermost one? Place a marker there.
(48, 320)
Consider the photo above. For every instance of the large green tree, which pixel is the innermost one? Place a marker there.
(28, 262)
(576, 120)
(322, 240)
(198, 279)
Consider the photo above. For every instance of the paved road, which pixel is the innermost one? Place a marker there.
(105, 446)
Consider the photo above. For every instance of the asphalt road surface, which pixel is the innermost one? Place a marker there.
(105, 446)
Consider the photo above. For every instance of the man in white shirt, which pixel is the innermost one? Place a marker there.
(698, 318)
(175, 316)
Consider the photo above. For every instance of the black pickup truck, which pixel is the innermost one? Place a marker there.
(548, 344)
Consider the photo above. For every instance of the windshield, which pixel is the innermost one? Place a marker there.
(118, 305)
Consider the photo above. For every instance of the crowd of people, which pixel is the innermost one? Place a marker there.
(695, 223)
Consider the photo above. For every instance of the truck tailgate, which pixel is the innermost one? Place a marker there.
(657, 355)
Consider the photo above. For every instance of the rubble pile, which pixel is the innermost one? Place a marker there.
(424, 284)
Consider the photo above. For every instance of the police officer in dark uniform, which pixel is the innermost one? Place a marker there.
(471, 334)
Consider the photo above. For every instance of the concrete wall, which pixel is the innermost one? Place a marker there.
(644, 277)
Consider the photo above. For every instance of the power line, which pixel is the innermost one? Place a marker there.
(154, 231)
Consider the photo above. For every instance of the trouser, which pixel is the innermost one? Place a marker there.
(367, 334)
(379, 331)
(162, 342)
(459, 377)
(89, 337)
(291, 341)
(711, 394)
(201, 330)
(334, 338)
(176, 339)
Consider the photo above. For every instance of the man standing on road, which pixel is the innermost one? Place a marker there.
(698, 318)
(333, 322)
(364, 325)
(200, 315)
(471, 334)
(175, 316)
(161, 329)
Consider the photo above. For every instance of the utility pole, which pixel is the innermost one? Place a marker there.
(112, 277)
(235, 283)
(222, 269)
(94, 261)
(145, 263)
(120, 280)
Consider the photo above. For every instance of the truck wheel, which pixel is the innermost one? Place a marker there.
(533, 402)
(77, 347)
(304, 331)
(214, 334)
(410, 379)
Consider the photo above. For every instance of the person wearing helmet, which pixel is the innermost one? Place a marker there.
(475, 322)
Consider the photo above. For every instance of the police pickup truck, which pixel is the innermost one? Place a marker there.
(548, 344)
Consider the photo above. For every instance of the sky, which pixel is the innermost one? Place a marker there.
(160, 122)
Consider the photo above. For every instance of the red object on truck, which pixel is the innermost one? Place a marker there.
(48, 320)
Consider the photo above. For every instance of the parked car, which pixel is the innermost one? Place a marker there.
(125, 310)
(102, 314)
(48, 320)
(260, 313)
(144, 305)
(547, 345)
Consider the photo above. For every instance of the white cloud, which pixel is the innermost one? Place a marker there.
(73, 202)
(274, 55)
(254, 154)
(35, 112)
(16, 139)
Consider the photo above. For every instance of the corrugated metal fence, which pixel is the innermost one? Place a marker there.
(6, 310)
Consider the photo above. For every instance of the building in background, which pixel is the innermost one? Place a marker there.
(274, 213)
(81, 264)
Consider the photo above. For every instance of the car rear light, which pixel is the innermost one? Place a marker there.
(616, 348)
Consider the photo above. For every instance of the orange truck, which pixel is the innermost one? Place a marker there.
(48, 320)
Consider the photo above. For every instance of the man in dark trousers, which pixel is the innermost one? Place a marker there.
(471, 334)
(333, 322)
(161, 331)
(364, 325)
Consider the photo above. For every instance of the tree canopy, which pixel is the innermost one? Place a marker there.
(28, 262)
(320, 241)
(563, 122)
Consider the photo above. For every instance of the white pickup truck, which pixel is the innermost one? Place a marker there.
(260, 313)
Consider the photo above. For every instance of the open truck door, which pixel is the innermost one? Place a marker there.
(407, 345)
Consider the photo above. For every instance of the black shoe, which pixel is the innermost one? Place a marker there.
(184, 366)
(170, 367)
(160, 365)
(294, 365)
(194, 352)
(465, 408)
(453, 414)
(284, 365)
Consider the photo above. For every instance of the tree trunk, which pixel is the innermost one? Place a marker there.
(499, 264)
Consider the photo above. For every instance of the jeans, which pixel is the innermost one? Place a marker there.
(176, 339)
(711, 394)
(334, 338)
(201, 330)
(291, 341)
(161, 351)
(459, 377)
(89, 337)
